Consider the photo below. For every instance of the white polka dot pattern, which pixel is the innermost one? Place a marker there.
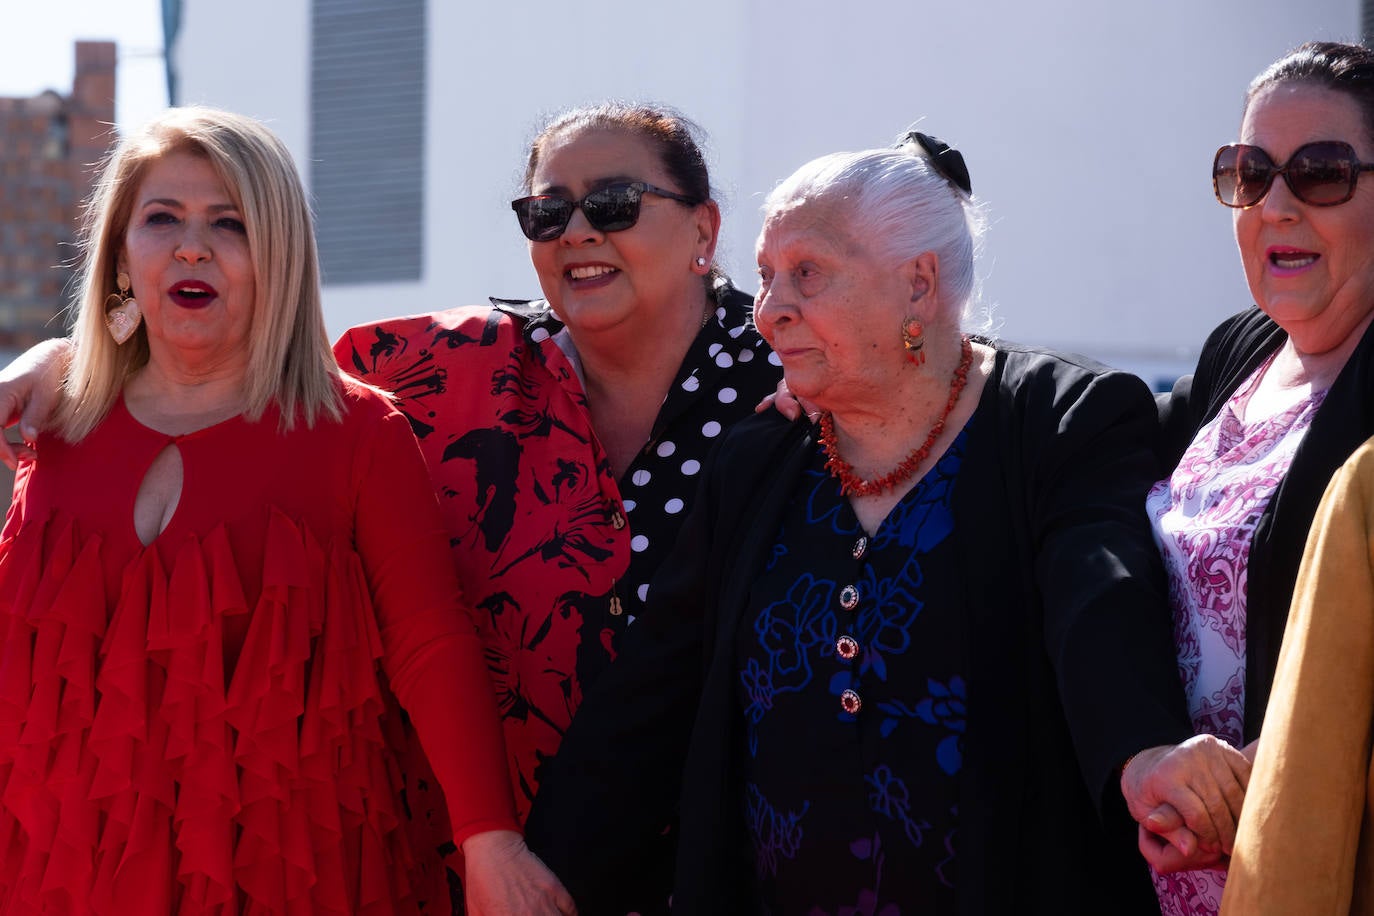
(597, 540)
(723, 377)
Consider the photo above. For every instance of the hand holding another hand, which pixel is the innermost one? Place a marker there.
(1187, 800)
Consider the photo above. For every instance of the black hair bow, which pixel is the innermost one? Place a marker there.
(948, 161)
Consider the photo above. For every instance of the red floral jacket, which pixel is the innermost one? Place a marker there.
(552, 550)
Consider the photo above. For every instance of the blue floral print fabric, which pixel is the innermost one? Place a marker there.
(851, 681)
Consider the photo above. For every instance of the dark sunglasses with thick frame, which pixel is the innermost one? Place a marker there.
(613, 208)
(1321, 174)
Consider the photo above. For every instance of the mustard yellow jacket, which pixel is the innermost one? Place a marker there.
(1305, 842)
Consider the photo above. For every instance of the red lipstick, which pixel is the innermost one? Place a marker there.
(192, 294)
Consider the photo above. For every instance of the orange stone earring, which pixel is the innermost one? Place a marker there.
(913, 341)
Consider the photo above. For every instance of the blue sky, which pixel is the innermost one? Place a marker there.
(36, 49)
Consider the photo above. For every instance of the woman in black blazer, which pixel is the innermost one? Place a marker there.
(1281, 397)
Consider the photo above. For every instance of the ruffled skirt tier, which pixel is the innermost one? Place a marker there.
(145, 767)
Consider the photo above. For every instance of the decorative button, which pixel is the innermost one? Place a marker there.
(617, 521)
(846, 647)
(850, 702)
(860, 548)
(849, 597)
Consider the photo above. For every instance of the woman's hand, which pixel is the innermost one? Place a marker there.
(1187, 800)
(503, 878)
(786, 403)
(1162, 839)
(29, 391)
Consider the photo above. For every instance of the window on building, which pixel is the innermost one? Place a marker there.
(367, 132)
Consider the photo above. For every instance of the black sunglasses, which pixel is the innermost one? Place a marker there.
(543, 217)
(1321, 174)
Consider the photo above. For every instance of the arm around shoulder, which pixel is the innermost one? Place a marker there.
(30, 390)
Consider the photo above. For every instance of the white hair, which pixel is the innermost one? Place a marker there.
(900, 206)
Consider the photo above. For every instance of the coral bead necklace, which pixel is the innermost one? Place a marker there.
(843, 471)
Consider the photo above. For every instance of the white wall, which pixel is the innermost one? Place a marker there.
(1088, 128)
(251, 56)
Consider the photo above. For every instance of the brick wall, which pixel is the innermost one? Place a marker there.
(49, 146)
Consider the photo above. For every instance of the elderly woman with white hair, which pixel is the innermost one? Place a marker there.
(904, 649)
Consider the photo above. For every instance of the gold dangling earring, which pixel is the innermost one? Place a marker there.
(913, 342)
(122, 314)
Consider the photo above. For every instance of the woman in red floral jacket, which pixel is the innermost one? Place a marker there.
(565, 436)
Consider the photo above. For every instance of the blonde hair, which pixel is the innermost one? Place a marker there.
(290, 361)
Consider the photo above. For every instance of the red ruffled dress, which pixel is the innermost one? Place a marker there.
(207, 724)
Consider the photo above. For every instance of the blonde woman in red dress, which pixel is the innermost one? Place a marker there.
(224, 575)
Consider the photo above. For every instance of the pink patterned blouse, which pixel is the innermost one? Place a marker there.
(1204, 517)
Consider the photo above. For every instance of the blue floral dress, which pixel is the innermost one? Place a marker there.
(851, 663)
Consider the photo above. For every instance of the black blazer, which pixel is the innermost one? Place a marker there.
(1346, 418)
(1071, 662)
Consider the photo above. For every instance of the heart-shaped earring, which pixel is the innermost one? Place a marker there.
(122, 314)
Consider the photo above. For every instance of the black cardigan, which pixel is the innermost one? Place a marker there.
(1345, 420)
(1071, 666)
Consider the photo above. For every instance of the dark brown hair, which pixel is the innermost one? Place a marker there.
(674, 136)
(1344, 68)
